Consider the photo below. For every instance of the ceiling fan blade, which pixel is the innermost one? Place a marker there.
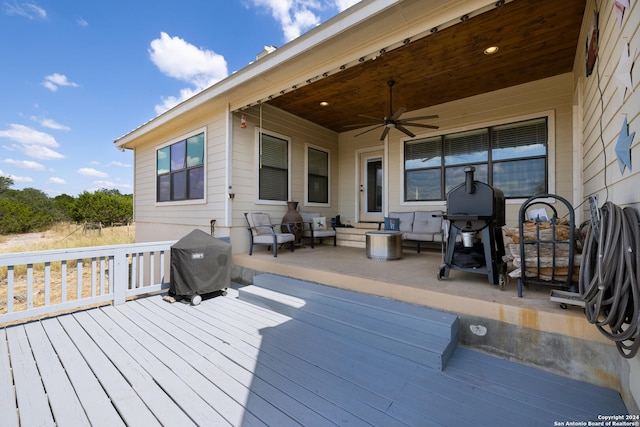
(368, 130)
(422, 117)
(420, 125)
(397, 114)
(377, 119)
(360, 125)
(384, 133)
(405, 130)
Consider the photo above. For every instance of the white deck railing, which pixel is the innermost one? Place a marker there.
(65, 279)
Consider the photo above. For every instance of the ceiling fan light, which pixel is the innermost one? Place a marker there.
(491, 50)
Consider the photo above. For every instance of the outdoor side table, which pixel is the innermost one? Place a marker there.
(384, 245)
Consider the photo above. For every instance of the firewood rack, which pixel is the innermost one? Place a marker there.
(544, 249)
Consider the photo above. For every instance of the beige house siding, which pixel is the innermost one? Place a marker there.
(168, 221)
(301, 133)
(551, 96)
(608, 113)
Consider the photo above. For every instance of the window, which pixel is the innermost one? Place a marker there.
(180, 170)
(511, 157)
(273, 175)
(317, 175)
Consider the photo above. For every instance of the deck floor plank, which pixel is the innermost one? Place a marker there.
(311, 376)
(337, 356)
(180, 363)
(33, 404)
(206, 344)
(94, 400)
(278, 390)
(310, 366)
(8, 404)
(148, 375)
(232, 362)
(186, 348)
(129, 404)
(65, 405)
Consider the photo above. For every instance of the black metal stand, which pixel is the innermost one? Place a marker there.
(493, 249)
(552, 245)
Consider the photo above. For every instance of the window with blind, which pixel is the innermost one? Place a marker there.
(180, 170)
(317, 175)
(273, 174)
(511, 157)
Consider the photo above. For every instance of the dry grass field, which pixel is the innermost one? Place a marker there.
(61, 236)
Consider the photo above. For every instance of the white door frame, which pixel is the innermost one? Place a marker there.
(360, 187)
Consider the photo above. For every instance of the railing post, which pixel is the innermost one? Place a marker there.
(120, 276)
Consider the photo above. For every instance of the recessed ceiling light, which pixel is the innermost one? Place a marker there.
(491, 50)
(324, 104)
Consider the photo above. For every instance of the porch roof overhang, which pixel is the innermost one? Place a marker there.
(433, 50)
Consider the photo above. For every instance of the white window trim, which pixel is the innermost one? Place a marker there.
(259, 201)
(551, 153)
(185, 136)
(306, 175)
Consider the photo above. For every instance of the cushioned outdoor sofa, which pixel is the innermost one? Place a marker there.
(419, 226)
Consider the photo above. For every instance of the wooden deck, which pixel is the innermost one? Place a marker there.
(231, 362)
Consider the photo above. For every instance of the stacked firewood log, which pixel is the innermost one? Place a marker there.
(541, 260)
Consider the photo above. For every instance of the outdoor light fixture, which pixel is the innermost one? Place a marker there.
(491, 50)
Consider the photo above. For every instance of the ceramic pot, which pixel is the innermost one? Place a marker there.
(293, 218)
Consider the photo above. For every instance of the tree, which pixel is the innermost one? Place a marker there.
(17, 217)
(106, 207)
(64, 204)
(5, 183)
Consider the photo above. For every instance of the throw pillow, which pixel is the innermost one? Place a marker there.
(392, 224)
(320, 223)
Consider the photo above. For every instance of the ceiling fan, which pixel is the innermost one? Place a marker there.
(393, 119)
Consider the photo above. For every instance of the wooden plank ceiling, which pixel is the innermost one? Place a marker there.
(536, 39)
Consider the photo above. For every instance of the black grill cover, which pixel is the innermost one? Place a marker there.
(200, 264)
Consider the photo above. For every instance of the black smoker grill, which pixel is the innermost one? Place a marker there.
(200, 264)
(475, 207)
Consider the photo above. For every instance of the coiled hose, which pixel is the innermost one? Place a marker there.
(609, 277)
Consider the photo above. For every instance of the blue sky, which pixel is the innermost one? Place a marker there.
(76, 75)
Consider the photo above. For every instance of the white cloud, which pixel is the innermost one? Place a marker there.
(99, 185)
(82, 22)
(345, 4)
(297, 16)
(54, 81)
(115, 163)
(50, 123)
(42, 153)
(181, 60)
(16, 179)
(27, 10)
(26, 135)
(56, 180)
(92, 172)
(171, 101)
(294, 16)
(25, 164)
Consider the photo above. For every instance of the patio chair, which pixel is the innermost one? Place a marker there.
(263, 232)
(316, 227)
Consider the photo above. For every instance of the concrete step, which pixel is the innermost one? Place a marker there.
(413, 332)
